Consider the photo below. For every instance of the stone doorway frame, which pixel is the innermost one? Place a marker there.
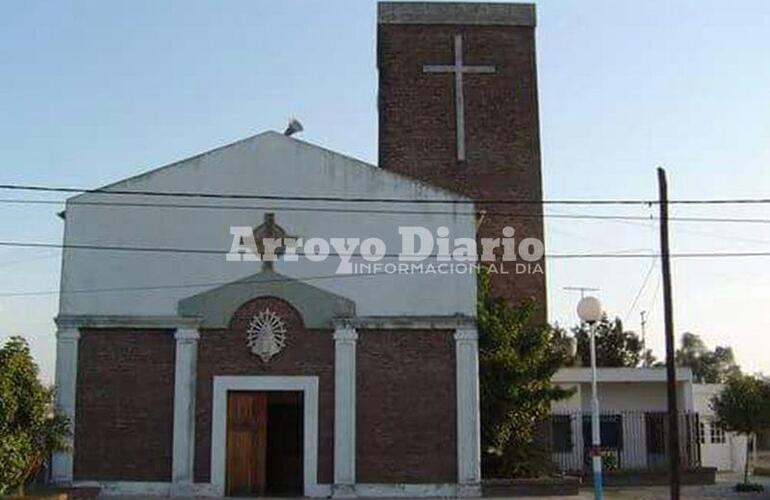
(307, 385)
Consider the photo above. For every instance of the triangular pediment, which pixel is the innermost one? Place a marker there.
(216, 307)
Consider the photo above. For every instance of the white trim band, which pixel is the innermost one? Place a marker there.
(394, 490)
(457, 321)
(117, 321)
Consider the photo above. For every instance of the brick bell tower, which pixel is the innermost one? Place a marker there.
(458, 109)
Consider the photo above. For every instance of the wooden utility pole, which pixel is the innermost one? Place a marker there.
(668, 306)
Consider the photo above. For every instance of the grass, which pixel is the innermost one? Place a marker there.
(749, 487)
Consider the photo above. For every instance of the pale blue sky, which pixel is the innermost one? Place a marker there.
(92, 91)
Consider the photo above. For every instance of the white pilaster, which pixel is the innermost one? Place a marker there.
(468, 419)
(345, 337)
(184, 411)
(66, 385)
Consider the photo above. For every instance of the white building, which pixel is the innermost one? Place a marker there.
(633, 404)
(724, 450)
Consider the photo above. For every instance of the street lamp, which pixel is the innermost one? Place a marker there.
(589, 311)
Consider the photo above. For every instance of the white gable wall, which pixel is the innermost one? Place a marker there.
(267, 164)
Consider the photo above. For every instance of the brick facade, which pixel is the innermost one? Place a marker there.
(224, 352)
(406, 402)
(125, 405)
(417, 125)
(406, 422)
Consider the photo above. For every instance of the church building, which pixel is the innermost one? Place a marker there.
(188, 366)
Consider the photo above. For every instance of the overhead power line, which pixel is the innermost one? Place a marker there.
(343, 199)
(245, 282)
(639, 292)
(276, 280)
(595, 255)
(183, 286)
(641, 218)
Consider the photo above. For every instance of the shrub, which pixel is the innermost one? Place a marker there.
(30, 430)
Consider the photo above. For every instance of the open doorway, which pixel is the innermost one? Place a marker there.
(264, 443)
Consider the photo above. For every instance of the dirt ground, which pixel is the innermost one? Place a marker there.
(722, 490)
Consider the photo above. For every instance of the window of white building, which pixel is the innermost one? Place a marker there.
(717, 434)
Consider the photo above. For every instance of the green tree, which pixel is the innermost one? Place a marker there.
(516, 362)
(710, 367)
(649, 359)
(743, 406)
(29, 428)
(615, 347)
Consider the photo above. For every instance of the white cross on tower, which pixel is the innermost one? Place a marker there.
(458, 69)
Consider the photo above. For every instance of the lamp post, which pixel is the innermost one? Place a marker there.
(589, 310)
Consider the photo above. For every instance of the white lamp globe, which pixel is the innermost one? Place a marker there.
(589, 309)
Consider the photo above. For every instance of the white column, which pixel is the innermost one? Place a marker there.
(66, 384)
(184, 411)
(468, 419)
(345, 337)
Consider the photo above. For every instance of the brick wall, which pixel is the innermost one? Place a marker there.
(406, 402)
(417, 125)
(124, 405)
(406, 407)
(224, 352)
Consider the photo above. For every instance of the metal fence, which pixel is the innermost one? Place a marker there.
(630, 440)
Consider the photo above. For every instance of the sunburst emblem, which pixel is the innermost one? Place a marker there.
(266, 334)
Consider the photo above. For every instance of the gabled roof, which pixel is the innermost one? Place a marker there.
(275, 137)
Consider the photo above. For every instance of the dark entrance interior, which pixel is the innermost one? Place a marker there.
(264, 443)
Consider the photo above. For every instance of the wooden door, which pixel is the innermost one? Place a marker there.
(246, 443)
